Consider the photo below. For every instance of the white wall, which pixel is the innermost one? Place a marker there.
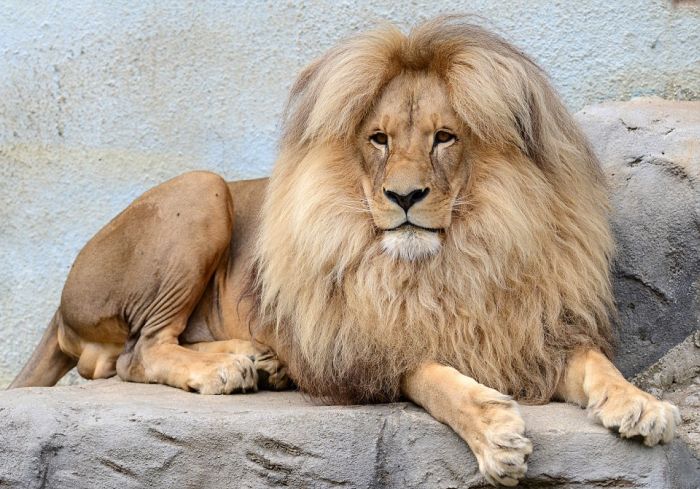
(101, 100)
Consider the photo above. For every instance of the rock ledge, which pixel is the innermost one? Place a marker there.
(113, 434)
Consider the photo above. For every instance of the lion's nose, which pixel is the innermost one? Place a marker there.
(405, 201)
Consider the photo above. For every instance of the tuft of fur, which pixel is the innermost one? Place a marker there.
(410, 244)
(522, 275)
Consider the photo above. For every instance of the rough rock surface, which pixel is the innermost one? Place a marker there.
(112, 434)
(676, 378)
(650, 152)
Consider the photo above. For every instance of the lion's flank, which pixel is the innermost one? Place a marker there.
(522, 277)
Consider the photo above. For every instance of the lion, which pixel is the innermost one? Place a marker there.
(435, 228)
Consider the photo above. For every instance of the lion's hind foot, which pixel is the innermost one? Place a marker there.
(229, 373)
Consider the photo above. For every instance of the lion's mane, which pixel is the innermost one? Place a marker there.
(523, 276)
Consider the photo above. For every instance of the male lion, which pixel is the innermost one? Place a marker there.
(435, 228)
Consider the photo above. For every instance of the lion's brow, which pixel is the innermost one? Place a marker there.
(410, 103)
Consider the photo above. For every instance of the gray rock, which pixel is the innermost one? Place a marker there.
(650, 151)
(112, 434)
(676, 378)
(680, 366)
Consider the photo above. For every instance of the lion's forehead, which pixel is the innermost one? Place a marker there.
(414, 102)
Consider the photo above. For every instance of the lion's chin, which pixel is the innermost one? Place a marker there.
(411, 243)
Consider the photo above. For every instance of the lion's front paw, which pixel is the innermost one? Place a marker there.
(228, 373)
(501, 447)
(505, 460)
(272, 373)
(633, 412)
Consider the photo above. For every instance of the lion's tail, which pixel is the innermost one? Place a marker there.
(48, 363)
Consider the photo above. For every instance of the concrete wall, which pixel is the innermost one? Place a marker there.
(99, 102)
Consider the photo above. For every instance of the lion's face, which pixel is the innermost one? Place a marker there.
(413, 147)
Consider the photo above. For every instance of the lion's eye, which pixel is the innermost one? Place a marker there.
(379, 139)
(443, 137)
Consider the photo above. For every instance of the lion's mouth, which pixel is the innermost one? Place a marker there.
(409, 225)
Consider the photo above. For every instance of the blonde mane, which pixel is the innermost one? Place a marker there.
(523, 277)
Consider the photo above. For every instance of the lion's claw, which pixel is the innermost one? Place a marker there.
(505, 464)
(272, 373)
(635, 413)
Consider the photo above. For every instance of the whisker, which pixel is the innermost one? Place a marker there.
(460, 205)
(355, 207)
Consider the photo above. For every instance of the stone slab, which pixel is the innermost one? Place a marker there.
(111, 434)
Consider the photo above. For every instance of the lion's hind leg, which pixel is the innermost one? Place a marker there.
(272, 373)
(139, 279)
(155, 356)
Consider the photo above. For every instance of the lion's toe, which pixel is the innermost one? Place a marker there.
(658, 423)
(503, 455)
(235, 373)
(272, 373)
(638, 414)
(505, 462)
